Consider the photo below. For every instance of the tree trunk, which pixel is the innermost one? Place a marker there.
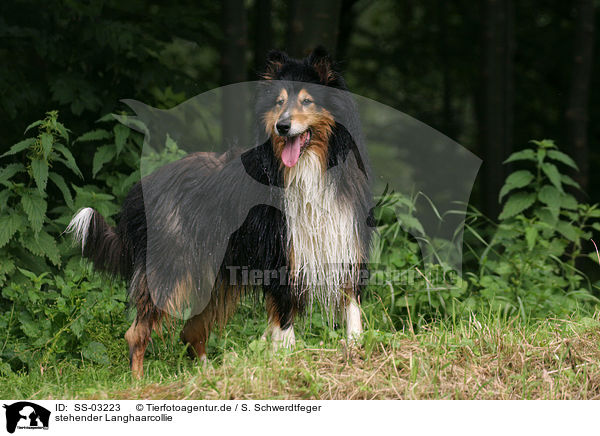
(447, 112)
(496, 129)
(312, 23)
(347, 21)
(577, 106)
(233, 70)
(263, 36)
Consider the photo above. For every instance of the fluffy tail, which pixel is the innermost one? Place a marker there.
(99, 242)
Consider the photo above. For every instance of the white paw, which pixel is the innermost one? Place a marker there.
(353, 322)
(283, 338)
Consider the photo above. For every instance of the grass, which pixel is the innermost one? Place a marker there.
(489, 358)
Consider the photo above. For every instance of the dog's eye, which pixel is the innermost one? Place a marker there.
(306, 102)
(279, 102)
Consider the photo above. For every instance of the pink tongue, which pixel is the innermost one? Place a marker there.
(291, 151)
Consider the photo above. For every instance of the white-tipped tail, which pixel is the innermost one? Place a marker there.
(80, 225)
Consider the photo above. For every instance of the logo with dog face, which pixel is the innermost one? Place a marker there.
(26, 415)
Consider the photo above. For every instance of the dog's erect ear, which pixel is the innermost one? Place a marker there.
(275, 60)
(320, 60)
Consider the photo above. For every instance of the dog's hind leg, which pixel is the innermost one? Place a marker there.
(137, 338)
(148, 317)
(195, 334)
(197, 329)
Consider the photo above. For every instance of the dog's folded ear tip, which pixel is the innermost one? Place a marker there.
(319, 54)
(320, 51)
(277, 56)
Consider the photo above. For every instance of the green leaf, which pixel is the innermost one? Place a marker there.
(96, 352)
(567, 230)
(9, 224)
(526, 154)
(30, 275)
(567, 201)
(34, 124)
(553, 175)
(106, 118)
(121, 135)
(47, 244)
(19, 146)
(62, 130)
(5, 195)
(546, 216)
(410, 222)
(46, 139)
(69, 161)
(549, 195)
(541, 154)
(10, 170)
(562, 157)
(66, 192)
(94, 135)
(544, 143)
(35, 208)
(103, 155)
(39, 169)
(42, 244)
(566, 180)
(518, 179)
(530, 236)
(517, 203)
(7, 266)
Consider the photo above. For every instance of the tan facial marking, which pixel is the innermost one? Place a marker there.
(305, 114)
(270, 118)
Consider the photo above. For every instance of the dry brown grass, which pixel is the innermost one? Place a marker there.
(557, 359)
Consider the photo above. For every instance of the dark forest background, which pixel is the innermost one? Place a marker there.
(491, 74)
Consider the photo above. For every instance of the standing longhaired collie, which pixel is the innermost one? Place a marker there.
(315, 235)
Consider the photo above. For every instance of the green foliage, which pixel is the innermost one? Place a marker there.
(526, 265)
(52, 317)
(153, 160)
(116, 162)
(26, 234)
(49, 312)
(530, 264)
(411, 289)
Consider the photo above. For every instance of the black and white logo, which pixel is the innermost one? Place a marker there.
(26, 415)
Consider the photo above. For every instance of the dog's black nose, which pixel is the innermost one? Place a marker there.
(283, 126)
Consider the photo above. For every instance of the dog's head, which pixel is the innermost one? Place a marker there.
(294, 104)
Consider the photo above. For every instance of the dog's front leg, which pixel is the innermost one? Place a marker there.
(280, 325)
(352, 317)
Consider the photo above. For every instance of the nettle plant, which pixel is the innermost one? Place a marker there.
(49, 306)
(529, 266)
(25, 228)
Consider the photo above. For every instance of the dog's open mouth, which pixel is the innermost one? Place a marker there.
(293, 148)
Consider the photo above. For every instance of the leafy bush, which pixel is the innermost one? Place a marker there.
(46, 308)
(529, 265)
(526, 264)
(58, 316)
(410, 288)
(25, 228)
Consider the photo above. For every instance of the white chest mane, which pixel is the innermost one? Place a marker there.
(322, 232)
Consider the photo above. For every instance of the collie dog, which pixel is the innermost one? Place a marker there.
(314, 238)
